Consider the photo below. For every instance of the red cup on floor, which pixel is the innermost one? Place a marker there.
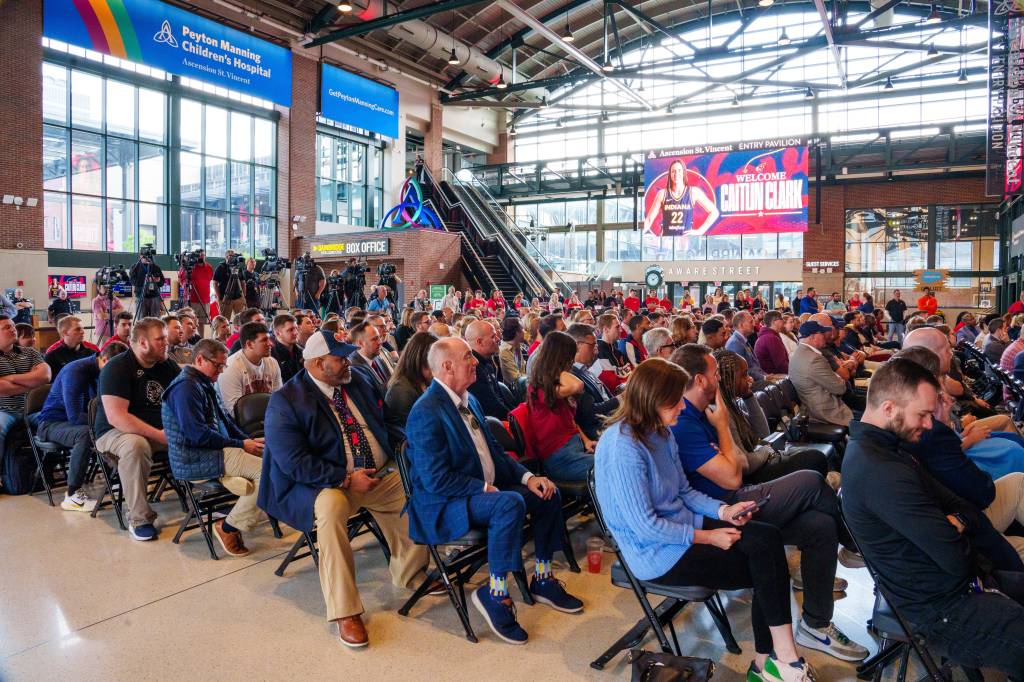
(595, 550)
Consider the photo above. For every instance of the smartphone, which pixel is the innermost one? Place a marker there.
(757, 505)
(383, 471)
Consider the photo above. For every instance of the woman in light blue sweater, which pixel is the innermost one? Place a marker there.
(672, 534)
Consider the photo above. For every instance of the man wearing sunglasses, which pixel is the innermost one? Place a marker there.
(658, 343)
(596, 400)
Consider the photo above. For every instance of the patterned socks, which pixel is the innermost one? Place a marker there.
(499, 586)
(542, 569)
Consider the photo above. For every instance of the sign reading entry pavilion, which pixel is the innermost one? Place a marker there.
(782, 270)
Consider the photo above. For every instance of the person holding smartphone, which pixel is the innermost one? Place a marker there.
(801, 505)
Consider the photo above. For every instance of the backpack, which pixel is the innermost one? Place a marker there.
(19, 465)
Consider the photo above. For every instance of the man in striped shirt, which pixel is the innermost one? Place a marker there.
(21, 370)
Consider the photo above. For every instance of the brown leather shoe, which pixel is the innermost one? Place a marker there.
(231, 542)
(352, 632)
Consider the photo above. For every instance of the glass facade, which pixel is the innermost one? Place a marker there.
(349, 180)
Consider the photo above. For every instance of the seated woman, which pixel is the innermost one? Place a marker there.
(408, 382)
(671, 534)
(550, 399)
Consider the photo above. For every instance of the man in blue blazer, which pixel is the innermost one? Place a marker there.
(462, 479)
(325, 441)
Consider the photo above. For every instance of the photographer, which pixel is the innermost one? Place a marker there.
(147, 278)
(230, 286)
(251, 278)
(310, 282)
(196, 274)
(354, 277)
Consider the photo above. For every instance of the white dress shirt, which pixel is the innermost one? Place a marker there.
(483, 451)
(379, 456)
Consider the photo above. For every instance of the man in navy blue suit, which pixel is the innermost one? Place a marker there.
(462, 479)
(325, 441)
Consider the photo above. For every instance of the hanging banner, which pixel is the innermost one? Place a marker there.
(741, 188)
(73, 284)
(357, 101)
(1004, 150)
(168, 38)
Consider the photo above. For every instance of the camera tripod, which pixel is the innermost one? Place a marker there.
(269, 288)
(140, 299)
(335, 303)
(185, 293)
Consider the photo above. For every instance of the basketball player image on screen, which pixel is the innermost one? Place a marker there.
(675, 205)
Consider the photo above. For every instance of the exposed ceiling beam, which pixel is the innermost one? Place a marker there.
(323, 18)
(823, 13)
(878, 11)
(390, 20)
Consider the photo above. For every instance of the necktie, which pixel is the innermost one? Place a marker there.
(468, 414)
(375, 365)
(362, 457)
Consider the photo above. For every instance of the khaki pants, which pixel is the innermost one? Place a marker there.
(242, 477)
(999, 422)
(332, 510)
(229, 308)
(133, 457)
(1008, 506)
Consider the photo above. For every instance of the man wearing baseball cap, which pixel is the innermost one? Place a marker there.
(326, 443)
(820, 389)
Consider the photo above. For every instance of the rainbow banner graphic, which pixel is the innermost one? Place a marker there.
(168, 38)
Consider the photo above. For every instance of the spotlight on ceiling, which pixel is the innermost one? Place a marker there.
(809, 94)
(735, 102)
(453, 58)
(784, 39)
(607, 66)
(888, 83)
(345, 7)
(568, 36)
(765, 3)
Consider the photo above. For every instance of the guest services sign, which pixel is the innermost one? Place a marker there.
(152, 33)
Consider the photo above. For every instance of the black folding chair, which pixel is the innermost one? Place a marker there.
(203, 498)
(250, 413)
(463, 557)
(360, 524)
(42, 449)
(660, 617)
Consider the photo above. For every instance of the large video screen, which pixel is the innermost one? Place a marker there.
(742, 188)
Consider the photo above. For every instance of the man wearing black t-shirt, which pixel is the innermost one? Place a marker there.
(147, 278)
(230, 286)
(128, 423)
(897, 310)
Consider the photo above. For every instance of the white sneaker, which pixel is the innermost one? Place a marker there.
(830, 640)
(777, 671)
(78, 502)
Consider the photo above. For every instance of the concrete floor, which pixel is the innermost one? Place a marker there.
(80, 600)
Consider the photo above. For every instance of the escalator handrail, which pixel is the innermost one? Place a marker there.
(464, 239)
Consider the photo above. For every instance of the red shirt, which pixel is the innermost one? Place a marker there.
(652, 302)
(112, 339)
(1016, 308)
(476, 303)
(202, 275)
(231, 340)
(533, 347)
(493, 304)
(666, 303)
(928, 304)
(552, 428)
(631, 302)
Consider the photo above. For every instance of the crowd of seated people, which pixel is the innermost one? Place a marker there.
(663, 402)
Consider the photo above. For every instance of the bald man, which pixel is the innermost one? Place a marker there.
(440, 330)
(462, 479)
(495, 398)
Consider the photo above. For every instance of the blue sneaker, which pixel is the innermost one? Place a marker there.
(143, 532)
(500, 615)
(551, 592)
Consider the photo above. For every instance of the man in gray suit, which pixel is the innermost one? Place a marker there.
(820, 389)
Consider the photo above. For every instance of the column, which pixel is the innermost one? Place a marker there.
(432, 154)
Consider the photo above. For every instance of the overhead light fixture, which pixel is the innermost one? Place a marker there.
(933, 16)
(558, 123)
(783, 38)
(765, 3)
(668, 109)
(932, 51)
(567, 36)
(963, 76)
(735, 102)
(344, 7)
(888, 83)
(453, 58)
(501, 84)
(607, 66)
(809, 94)
(604, 117)
(512, 131)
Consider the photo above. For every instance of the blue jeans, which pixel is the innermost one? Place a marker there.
(7, 422)
(502, 514)
(897, 329)
(571, 462)
(977, 630)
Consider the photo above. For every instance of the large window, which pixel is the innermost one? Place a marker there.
(104, 162)
(349, 178)
(887, 239)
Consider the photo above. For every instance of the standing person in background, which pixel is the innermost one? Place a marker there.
(780, 302)
(809, 303)
(896, 308)
(421, 303)
(198, 295)
(868, 306)
(836, 305)
(651, 301)
(453, 299)
(1017, 307)
(60, 306)
(104, 310)
(928, 303)
(686, 302)
(252, 281)
(23, 306)
(147, 280)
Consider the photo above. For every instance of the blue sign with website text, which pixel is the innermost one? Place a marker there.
(174, 40)
(357, 101)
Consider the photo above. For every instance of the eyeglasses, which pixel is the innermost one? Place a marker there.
(672, 345)
(587, 343)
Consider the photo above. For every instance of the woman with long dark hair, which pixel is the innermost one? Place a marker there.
(674, 204)
(550, 398)
(671, 534)
(409, 380)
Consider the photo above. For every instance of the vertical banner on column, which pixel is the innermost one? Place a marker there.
(1014, 104)
(1004, 154)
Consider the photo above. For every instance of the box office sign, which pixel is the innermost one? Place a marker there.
(352, 249)
(784, 269)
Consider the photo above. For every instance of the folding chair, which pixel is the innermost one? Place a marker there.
(360, 524)
(463, 557)
(41, 449)
(250, 412)
(203, 497)
(660, 617)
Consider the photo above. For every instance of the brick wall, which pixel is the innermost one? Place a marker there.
(21, 123)
(301, 154)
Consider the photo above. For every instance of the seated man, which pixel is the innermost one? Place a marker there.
(596, 401)
(287, 350)
(802, 506)
(820, 389)
(486, 388)
(122, 329)
(178, 349)
(367, 357)
(715, 332)
(915, 532)
(610, 367)
(461, 479)
(128, 425)
(743, 326)
(325, 441)
(307, 327)
(21, 370)
(71, 346)
(26, 335)
(204, 442)
(252, 370)
(189, 325)
(769, 349)
(996, 341)
(243, 318)
(64, 419)
(658, 343)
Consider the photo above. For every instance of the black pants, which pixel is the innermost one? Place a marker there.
(757, 560)
(792, 460)
(978, 630)
(805, 509)
(76, 438)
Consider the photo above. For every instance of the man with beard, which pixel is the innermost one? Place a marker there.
(916, 533)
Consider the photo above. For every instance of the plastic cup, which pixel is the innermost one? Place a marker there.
(595, 549)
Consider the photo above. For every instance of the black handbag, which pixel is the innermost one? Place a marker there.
(649, 666)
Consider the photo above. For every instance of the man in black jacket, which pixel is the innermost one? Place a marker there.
(488, 388)
(286, 349)
(917, 534)
(595, 401)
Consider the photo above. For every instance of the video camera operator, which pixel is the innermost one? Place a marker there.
(310, 282)
(333, 298)
(230, 285)
(147, 278)
(195, 274)
(386, 277)
(251, 278)
(354, 277)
